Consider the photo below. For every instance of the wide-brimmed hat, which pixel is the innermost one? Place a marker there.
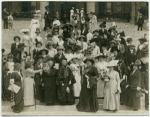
(102, 25)
(145, 59)
(129, 39)
(50, 35)
(136, 63)
(38, 30)
(47, 7)
(122, 34)
(113, 41)
(25, 30)
(89, 59)
(113, 63)
(82, 36)
(131, 46)
(40, 52)
(17, 66)
(38, 43)
(49, 44)
(143, 39)
(22, 45)
(16, 37)
(95, 31)
(60, 48)
(40, 57)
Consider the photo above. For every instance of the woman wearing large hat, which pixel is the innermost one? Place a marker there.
(89, 88)
(44, 53)
(112, 89)
(135, 86)
(34, 24)
(51, 51)
(142, 50)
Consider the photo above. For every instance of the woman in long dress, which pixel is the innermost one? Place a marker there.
(29, 84)
(34, 24)
(88, 97)
(112, 89)
(16, 79)
(49, 77)
(76, 72)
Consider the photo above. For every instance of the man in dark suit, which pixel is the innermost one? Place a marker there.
(48, 18)
(84, 31)
(5, 18)
(15, 49)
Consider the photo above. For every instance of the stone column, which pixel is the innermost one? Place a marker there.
(42, 7)
(133, 13)
(90, 7)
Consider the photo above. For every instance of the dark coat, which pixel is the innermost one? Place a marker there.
(48, 19)
(18, 97)
(101, 32)
(49, 79)
(4, 15)
(15, 52)
(58, 60)
(140, 21)
(143, 52)
(65, 75)
(88, 97)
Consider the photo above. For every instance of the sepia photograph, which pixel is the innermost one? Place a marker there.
(74, 58)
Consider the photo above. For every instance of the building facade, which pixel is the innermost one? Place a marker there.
(100, 8)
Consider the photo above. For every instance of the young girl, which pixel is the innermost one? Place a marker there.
(10, 21)
(26, 39)
(37, 38)
(34, 24)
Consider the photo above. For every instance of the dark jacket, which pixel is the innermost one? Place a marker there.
(4, 15)
(101, 32)
(57, 59)
(140, 21)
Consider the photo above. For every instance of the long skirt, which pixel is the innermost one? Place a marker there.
(77, 85)
(100, 88)
(19, 102)
(111, 99)
(29, 91)
(134, 101)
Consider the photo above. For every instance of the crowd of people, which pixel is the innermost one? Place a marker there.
(58, 68)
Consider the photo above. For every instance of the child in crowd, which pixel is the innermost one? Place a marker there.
(140, 22)
(10, 21)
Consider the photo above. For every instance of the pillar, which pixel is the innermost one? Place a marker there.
(133, 12)
(90, 7)
(42, 7)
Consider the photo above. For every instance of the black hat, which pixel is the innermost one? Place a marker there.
(129, 39)
(38, 43)
(122, 34)
(40, 52)
(82, 36)
(49, 35)
(3, 50)
(16, 37)
(95, 31)
(143, 39)
(89, 59)
(65, 26)
(47, 7)
(102, 25)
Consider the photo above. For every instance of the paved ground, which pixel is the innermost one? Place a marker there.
(67, 110)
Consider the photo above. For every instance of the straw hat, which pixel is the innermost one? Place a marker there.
(24, 30)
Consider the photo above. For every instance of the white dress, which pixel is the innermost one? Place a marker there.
(76, 72)
(82, 13)
(71, 13)
(34, 24)
(26, 40)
